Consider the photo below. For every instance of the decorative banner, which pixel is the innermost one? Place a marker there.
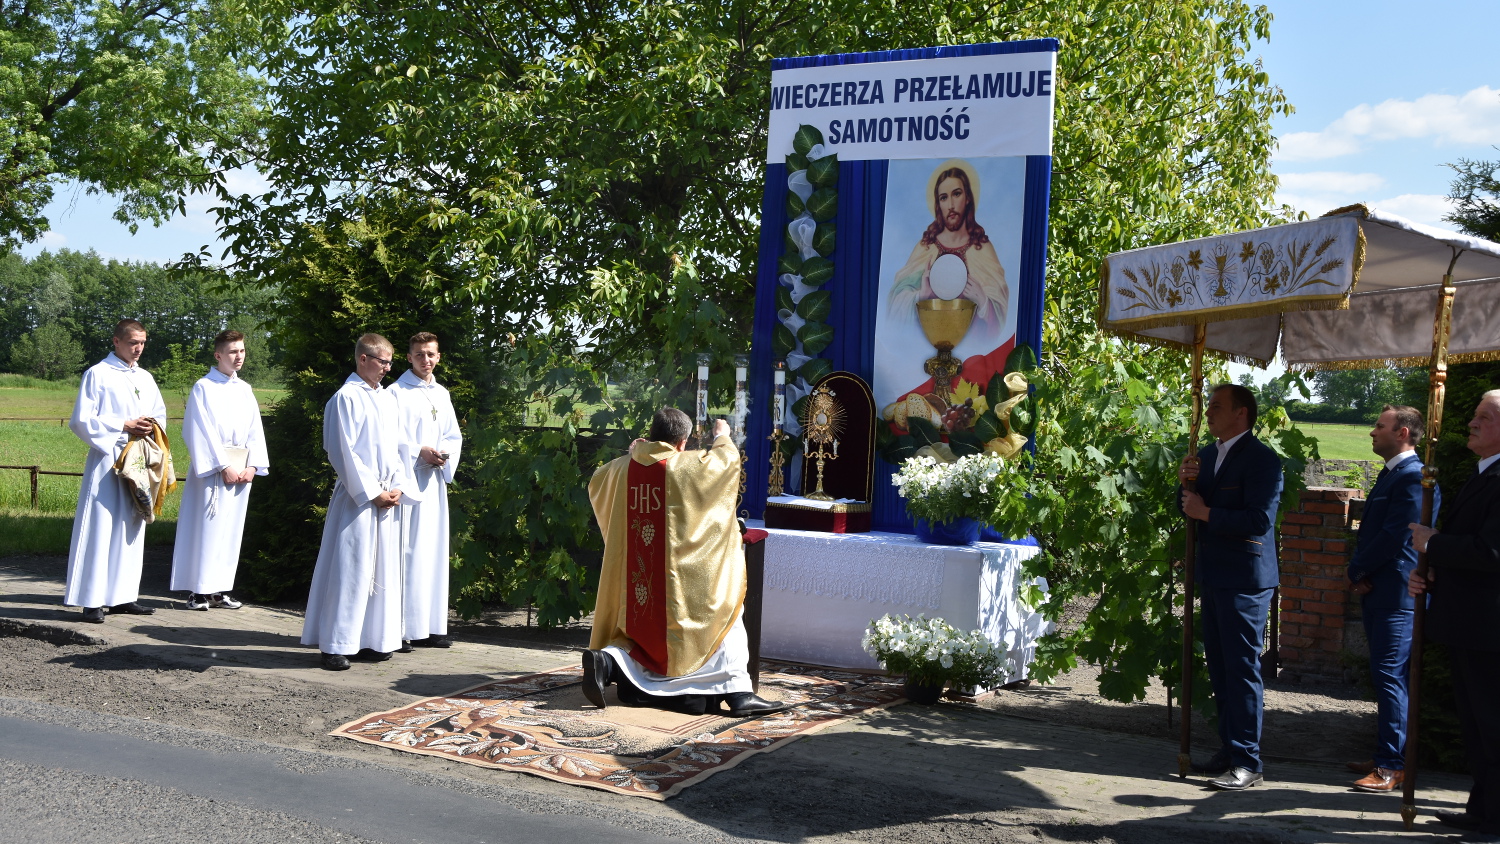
(978, 105)
(1313, 265)
(904, 240)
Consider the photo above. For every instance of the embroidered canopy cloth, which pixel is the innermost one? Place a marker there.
(1355, 287)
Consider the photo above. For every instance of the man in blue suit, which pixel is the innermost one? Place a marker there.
(1383, 557)
(1239, 490)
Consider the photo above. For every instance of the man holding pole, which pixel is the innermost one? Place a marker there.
(1383, 557)
(1238, 492)
(1463, 582)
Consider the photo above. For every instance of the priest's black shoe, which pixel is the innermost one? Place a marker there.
(1216, 765)
(93, 615)
(372, 655)
(598, 672)
(750, 705)
(132, 608)
(433, 642)
(335, 662)
(1457, 820)
(405, 648)
(1237, 779)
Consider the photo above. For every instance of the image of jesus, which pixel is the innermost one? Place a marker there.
(953, 199)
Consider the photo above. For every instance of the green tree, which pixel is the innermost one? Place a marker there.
(1475, 194)
(146, 101)
(1363, 391)
(596, 169)
(49, 352)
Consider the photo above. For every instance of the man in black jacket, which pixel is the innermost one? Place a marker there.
(1463, 581)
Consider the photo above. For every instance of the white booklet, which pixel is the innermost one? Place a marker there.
(236, 458)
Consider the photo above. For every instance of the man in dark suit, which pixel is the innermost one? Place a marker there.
(1383, 557)
(1239, 489)
(1463, 582)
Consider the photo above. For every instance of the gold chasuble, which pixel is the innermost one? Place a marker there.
(674, 569)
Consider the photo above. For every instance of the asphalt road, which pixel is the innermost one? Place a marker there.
(104, 784)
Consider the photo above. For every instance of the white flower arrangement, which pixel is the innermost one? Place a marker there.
(930, 650)
(942, 492)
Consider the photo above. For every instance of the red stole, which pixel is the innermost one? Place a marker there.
(646, 598)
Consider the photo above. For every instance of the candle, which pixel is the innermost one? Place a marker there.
(778, 400)
(702, 372)
(780, 377)
(835, 448)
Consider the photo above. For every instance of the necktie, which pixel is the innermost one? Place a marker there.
(1380, 477)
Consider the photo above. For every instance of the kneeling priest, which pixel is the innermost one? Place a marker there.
(667, 626)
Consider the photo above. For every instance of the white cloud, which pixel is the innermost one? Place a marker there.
(53, 240)
(1419, 208)
(1473, 118)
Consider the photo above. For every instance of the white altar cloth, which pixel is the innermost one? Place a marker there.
(822, 590)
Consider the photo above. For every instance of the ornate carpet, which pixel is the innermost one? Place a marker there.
(540, 724)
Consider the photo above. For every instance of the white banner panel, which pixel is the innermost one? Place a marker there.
(964, 106)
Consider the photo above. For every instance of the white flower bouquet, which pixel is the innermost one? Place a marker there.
(932, 651)
(942, 492)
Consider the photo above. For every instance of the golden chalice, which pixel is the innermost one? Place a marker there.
(945, 322)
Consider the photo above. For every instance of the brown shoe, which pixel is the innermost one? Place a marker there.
(1361, 768)
(1381, 779)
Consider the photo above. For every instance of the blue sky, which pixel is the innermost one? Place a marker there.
(1386, 93)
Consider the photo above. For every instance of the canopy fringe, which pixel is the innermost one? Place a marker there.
(1160, 342)
(1379, 363)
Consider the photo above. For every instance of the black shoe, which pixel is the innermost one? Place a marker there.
(335, 662)
(686, 704)
(405, 648)
(598, 670)
(751, 705)
(1457, 820)
(93, 615)
(1237, 779)
(433, 642)
(371, 655)
(1216, 765)
(132, 608)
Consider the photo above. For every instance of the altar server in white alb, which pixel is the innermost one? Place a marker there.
(221, 428)
(430, 441)
(354, 607)
(116, 401)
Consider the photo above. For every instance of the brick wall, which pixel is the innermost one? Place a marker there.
(1320, 615)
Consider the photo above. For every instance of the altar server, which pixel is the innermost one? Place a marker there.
(117, 400)
(430, 441)
(354, 606)
(667, 624)
(222, 430)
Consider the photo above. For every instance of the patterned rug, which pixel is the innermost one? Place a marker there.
(541, 724)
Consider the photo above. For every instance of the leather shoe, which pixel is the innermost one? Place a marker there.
(433, 642)
(372, 655)
(750, 705)
(598, 669)
(406, 647)
(335, 662)
(132, 608)
(1216, 765)
(1457, 820)
(1360, 768)
(93, 615)
(1380, 779)
(1237, 779)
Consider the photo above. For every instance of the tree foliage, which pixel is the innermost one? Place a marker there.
(146, 100)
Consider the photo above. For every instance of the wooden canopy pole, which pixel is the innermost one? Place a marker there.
(1189, 563)
(1437, 378)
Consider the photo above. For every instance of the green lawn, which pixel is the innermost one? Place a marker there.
(1340, 442)
(32, 398)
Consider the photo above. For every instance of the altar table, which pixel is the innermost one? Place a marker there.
(822, 590)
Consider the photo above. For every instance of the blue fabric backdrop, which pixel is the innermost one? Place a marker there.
(855, 283)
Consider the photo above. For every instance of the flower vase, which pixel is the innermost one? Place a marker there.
(960, 531)
(925, 692)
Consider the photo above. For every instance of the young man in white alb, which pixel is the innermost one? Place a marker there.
(221, 428)
(354, 605)
(430, 442)
(116, 401)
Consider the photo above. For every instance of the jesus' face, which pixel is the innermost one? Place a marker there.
(952, 203)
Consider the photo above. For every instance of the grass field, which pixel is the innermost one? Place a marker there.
(1340, 442)
(52, 445)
